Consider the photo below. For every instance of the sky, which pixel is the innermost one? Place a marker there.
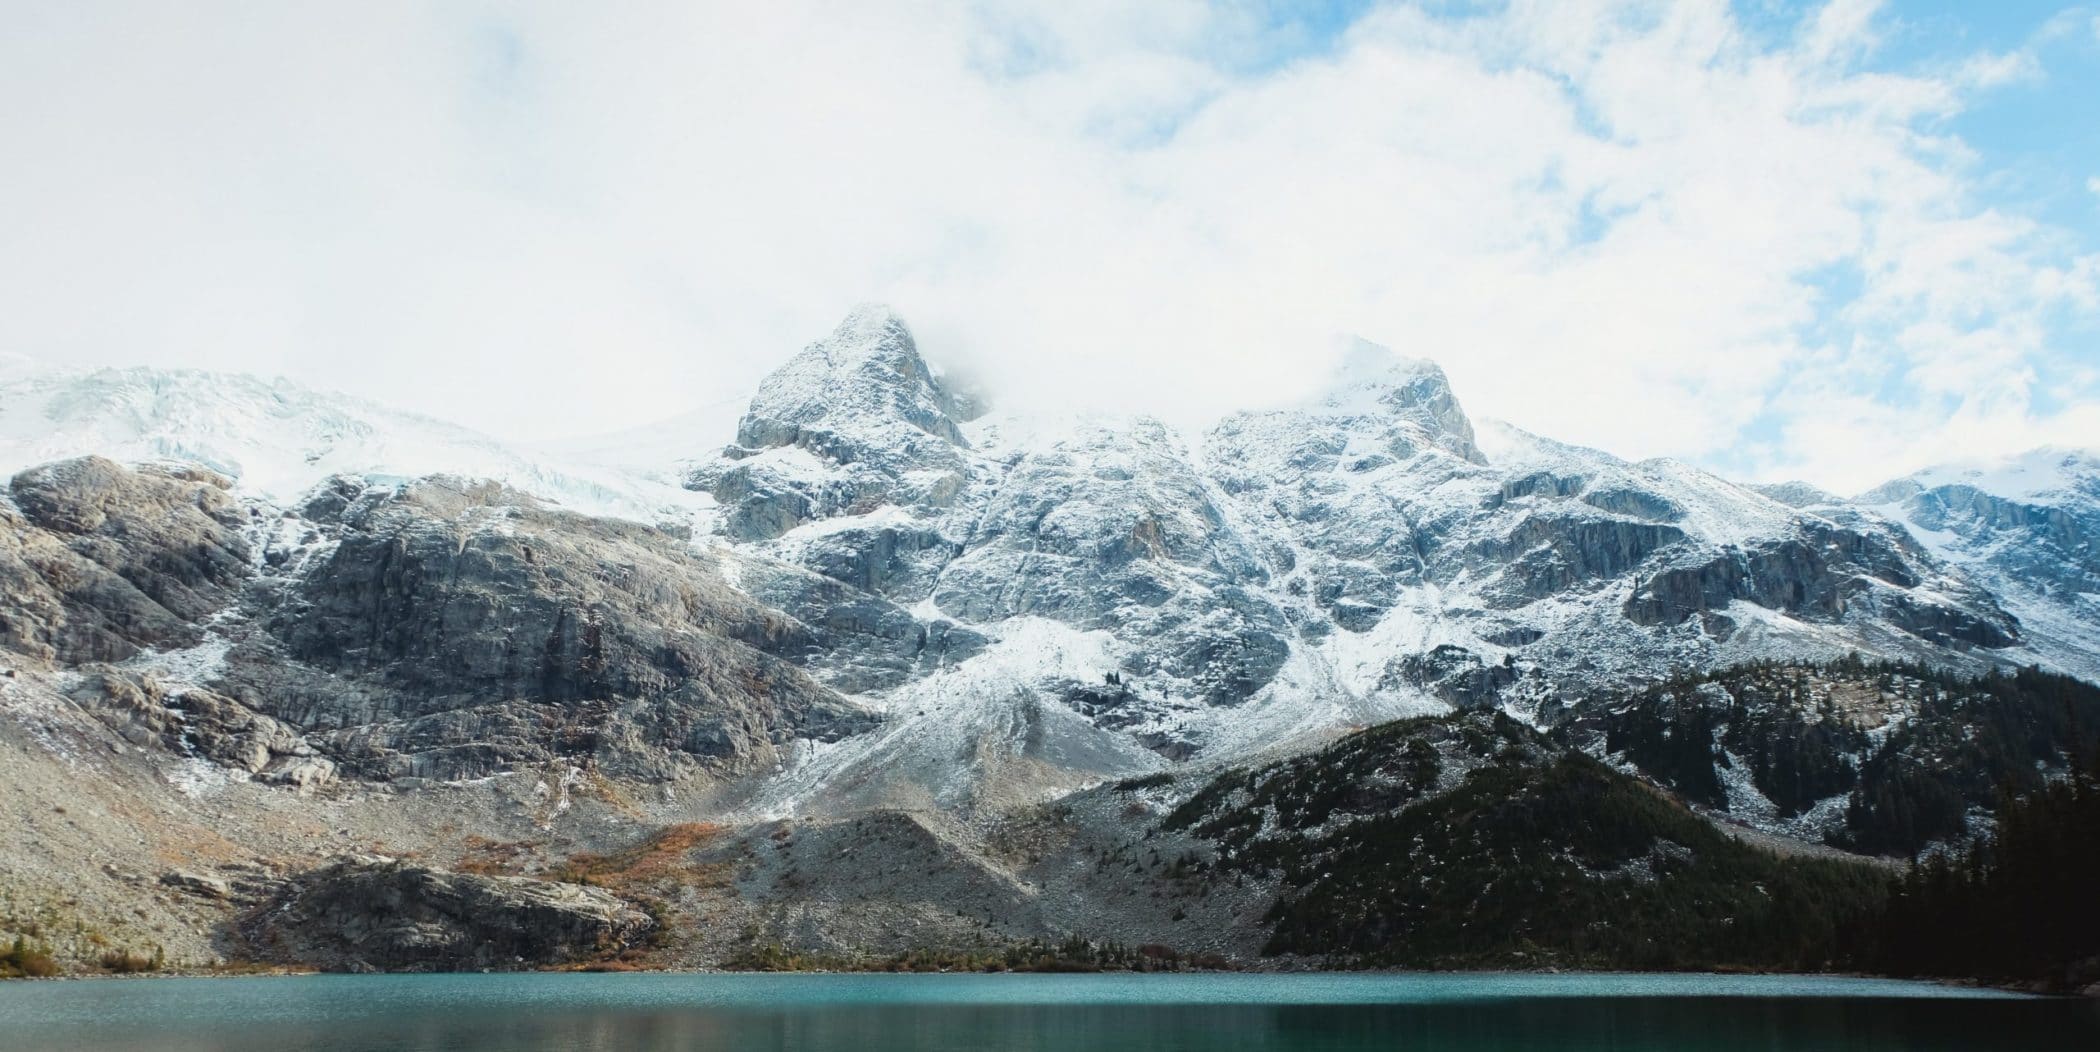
(1835, 242)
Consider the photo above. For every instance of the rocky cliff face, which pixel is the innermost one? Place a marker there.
(1371, 554)
(98, 562)
(467, 629)
(435, 631)
(376, 914)
(201, 724)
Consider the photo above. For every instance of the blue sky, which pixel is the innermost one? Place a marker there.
(2037, 143)
(1837, 241)
(2038, 133)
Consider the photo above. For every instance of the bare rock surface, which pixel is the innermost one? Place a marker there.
(367, 914)
(98, 561)
(459, 629)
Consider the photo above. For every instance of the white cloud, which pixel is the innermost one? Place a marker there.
(1627, 224)
(1993, 69)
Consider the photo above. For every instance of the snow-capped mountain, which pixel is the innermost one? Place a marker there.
(882, 594)
(279, 440)
(2028, 528)
(1107, 582)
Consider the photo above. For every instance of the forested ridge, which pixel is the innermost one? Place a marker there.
(1901, 756)
(1473, 840)
(2019, 905)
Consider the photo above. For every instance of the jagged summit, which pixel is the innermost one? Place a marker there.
(855, 421)
(1367, 373)
(1373, 381)
(2041, 474)
(917, 646)
(851, 387)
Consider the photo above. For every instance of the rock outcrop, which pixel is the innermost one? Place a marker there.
(463, 628)
(376, 914)
(443, 629)
(1366, 555)
(914, 660)
(98, 561)
(200, 723)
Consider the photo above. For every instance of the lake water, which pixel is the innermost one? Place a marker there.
(1038, 1013)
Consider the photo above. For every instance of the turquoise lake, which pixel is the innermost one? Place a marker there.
(974, 1013)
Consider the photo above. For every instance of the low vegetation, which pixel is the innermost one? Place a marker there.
(126, 962)
(23, 961)
(661, 856)
(1075, 954)
(46, 932)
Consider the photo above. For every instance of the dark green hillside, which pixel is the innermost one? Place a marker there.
(2019, 906)
(1913, 751)
(1472, 841)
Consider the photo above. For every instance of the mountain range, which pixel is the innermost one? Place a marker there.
(893, 668)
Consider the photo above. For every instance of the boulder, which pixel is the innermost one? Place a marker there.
(366, 913)
(196, 884)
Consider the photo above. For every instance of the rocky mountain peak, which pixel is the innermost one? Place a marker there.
(854, 422)
(1795, 493)
(1373, 380)
(851, 387)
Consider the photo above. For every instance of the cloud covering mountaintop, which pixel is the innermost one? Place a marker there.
(1761, 239)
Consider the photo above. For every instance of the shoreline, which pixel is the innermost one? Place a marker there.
(2025, 990)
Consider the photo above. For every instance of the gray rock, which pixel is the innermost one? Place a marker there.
(899, 562)
(196, 884)
(362, 914)
(1549, 554)
(1821, 574)
(1797, 494)
(1454, 675)
(303, 774)
(866, 408)
(196, 722)
(460, 629)
(2027, 529)
(1634, 502)
(101, 561)
(859, 641)
(1360, 557)
(1113, 528)
(867, 373)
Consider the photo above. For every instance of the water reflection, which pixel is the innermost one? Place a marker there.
(441, 1014)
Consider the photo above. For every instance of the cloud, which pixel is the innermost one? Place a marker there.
(1995, 69)
(1635, 225)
